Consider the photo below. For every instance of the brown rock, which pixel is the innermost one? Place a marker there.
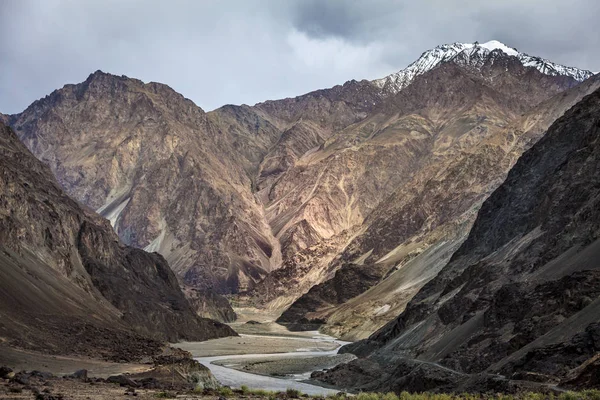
(69, 286)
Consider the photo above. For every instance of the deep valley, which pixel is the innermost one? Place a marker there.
(433, 231)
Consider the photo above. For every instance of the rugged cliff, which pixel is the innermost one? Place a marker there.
(520, 298)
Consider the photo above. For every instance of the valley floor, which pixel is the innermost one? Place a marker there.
(60, 365)
(269, 358)
(264, 338)
(266, 356)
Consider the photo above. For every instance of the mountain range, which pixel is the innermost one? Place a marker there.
(519, 299)
(375, 210)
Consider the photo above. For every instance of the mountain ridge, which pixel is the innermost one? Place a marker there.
(521, 293)
(245, 198)
(145, 134)
(350, 139)
(473, 52)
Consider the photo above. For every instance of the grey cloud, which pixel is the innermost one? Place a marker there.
(245, 51)
(356, 20)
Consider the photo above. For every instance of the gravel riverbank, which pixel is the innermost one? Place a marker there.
(278, 366)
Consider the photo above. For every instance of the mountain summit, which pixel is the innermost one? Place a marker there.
(473, 54)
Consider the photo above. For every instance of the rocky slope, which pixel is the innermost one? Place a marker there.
(520, 298)
(68, 286)
(209, 304)
(412, 235)
(175, 180)
(169, 178)
(414, 173)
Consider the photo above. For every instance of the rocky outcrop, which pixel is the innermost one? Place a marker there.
(520, 297)
(68, 286)
(209, 304)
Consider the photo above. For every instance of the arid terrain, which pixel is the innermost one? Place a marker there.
(519, 299)
(435, 230)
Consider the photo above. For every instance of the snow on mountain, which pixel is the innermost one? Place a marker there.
(496, 45)
(473, 54)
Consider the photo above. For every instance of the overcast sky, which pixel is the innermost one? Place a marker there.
(227, 51)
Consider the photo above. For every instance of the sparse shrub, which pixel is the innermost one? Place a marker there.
(367, 396)
(199, 389)
(442, 396)
(225, 391)
(293, 393)
(591, 394)
(533, 396)
(501, 396)
(165, 395)
(244, 389)
(262, 393)
(570, 396)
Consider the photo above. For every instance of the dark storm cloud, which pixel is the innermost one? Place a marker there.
(360, 21)
(245, 51)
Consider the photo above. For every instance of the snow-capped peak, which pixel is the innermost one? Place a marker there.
(496, 45)
(474, 54)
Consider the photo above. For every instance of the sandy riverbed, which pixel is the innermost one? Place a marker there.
(265, 356)
(264, 341)
(269, 357)
(275, 366)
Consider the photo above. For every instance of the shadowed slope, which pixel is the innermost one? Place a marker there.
(68, 285)
(521, 295)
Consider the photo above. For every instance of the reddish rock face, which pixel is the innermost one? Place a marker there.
(161, 171)
(176, 180)
(68, 285)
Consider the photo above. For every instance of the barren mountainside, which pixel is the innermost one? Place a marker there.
(398, 191)
(168, 177)
(412, 234)
(318, 208)
(65, 274)
(519, 299)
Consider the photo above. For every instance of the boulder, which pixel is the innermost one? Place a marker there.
(4, 372)
(122, 380)
(81, 375)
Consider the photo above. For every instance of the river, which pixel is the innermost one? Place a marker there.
(235, 378)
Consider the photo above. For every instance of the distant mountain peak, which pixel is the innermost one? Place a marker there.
(496, 45)
(474, 53)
